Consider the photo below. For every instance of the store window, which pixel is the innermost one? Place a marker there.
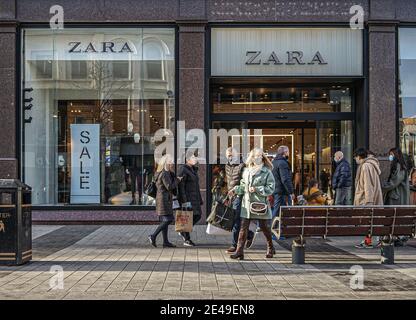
(95, 112)
(407, 91)
(277, 99)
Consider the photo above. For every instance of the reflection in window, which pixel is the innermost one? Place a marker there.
(276, 99)
(108, 89)
(407, 90)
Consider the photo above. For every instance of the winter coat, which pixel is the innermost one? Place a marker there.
(263, 182)
(342, 177)
(396, 189)
(367, 183)
(314, 197)
(166, 184)
(189, 188)
(233, 174)
(282, 176)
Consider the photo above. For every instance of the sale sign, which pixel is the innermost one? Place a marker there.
(85, 163)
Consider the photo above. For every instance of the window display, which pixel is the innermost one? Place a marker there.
(120, 80)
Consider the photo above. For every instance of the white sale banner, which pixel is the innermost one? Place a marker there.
(85, 163)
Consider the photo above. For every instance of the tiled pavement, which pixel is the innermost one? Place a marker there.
(116, 262)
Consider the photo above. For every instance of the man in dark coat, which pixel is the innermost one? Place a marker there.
(283, 194)
(233, 174)
(342, 180)
(189, 194)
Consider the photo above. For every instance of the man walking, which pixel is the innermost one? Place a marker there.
(367, 185)
(342, 180)
(283, 194)
(233, 174)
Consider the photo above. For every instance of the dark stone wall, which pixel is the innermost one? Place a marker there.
(192, 16)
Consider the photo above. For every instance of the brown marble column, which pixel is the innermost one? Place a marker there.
(382, 91)
(8, 154)
(192, 84)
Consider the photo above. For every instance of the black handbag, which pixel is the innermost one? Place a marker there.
(222, 215)
(151, 189)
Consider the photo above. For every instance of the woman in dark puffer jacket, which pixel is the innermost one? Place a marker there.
(166, 184)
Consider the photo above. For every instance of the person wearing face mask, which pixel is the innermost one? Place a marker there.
(233, 174)
(256, 185)
(342, 180)
(189, 193)
(367, 185)
(166, 185)
(284, 192)
(396, 189)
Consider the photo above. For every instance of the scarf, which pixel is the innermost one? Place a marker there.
(253, 170)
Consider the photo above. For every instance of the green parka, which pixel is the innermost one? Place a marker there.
(263, 182)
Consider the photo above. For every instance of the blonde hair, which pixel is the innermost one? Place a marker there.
(163, 161)
(266, 161)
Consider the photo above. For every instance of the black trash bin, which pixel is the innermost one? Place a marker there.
(15, 222)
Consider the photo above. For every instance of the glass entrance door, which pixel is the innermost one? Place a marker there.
(312, 145)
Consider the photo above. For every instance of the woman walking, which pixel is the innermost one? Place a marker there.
(190, 194)
(166, 184)
(256, 185)
(396, 188)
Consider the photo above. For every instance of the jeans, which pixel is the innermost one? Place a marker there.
(237, 222)
(187, 235)
(163, 227)
(280, 200)
(343, 196)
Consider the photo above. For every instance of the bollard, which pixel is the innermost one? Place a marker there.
(298, 252)
(387, 253)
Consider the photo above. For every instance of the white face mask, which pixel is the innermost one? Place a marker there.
(258, 161)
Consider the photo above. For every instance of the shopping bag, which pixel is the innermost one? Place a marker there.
(184, 221)
(222, 215)
(215, 231)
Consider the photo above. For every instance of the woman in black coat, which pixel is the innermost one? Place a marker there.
(166, 184)
(189, 194)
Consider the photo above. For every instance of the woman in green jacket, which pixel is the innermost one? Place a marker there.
(256, 185)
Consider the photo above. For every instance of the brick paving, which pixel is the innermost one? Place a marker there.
(117, 262)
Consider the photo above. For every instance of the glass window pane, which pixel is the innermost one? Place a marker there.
(407, 91)
(277, 99)
(92, 77)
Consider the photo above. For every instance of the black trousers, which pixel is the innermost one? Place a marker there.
(187, 235)
(163, 227)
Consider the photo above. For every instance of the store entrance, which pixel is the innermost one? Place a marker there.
(312, 145)
(299, 137)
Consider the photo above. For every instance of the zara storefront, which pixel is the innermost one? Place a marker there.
(79, 107)
(291, 86)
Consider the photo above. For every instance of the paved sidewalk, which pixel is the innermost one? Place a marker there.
(117, 262)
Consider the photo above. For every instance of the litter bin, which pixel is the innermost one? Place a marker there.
(15, 222)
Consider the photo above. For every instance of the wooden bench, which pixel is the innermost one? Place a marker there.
(337, 221)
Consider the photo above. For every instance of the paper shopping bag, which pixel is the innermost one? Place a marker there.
(184, 221)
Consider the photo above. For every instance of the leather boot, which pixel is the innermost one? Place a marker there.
(268, 235)
(242, 237)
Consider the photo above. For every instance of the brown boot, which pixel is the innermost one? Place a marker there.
(268, 235)
(242, 237)
(231, 249)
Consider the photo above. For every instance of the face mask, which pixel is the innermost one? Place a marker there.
(391, 157)
(336, 160)
(286, 156)
(258, 161)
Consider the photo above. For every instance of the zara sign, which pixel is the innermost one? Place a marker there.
(286, 52)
